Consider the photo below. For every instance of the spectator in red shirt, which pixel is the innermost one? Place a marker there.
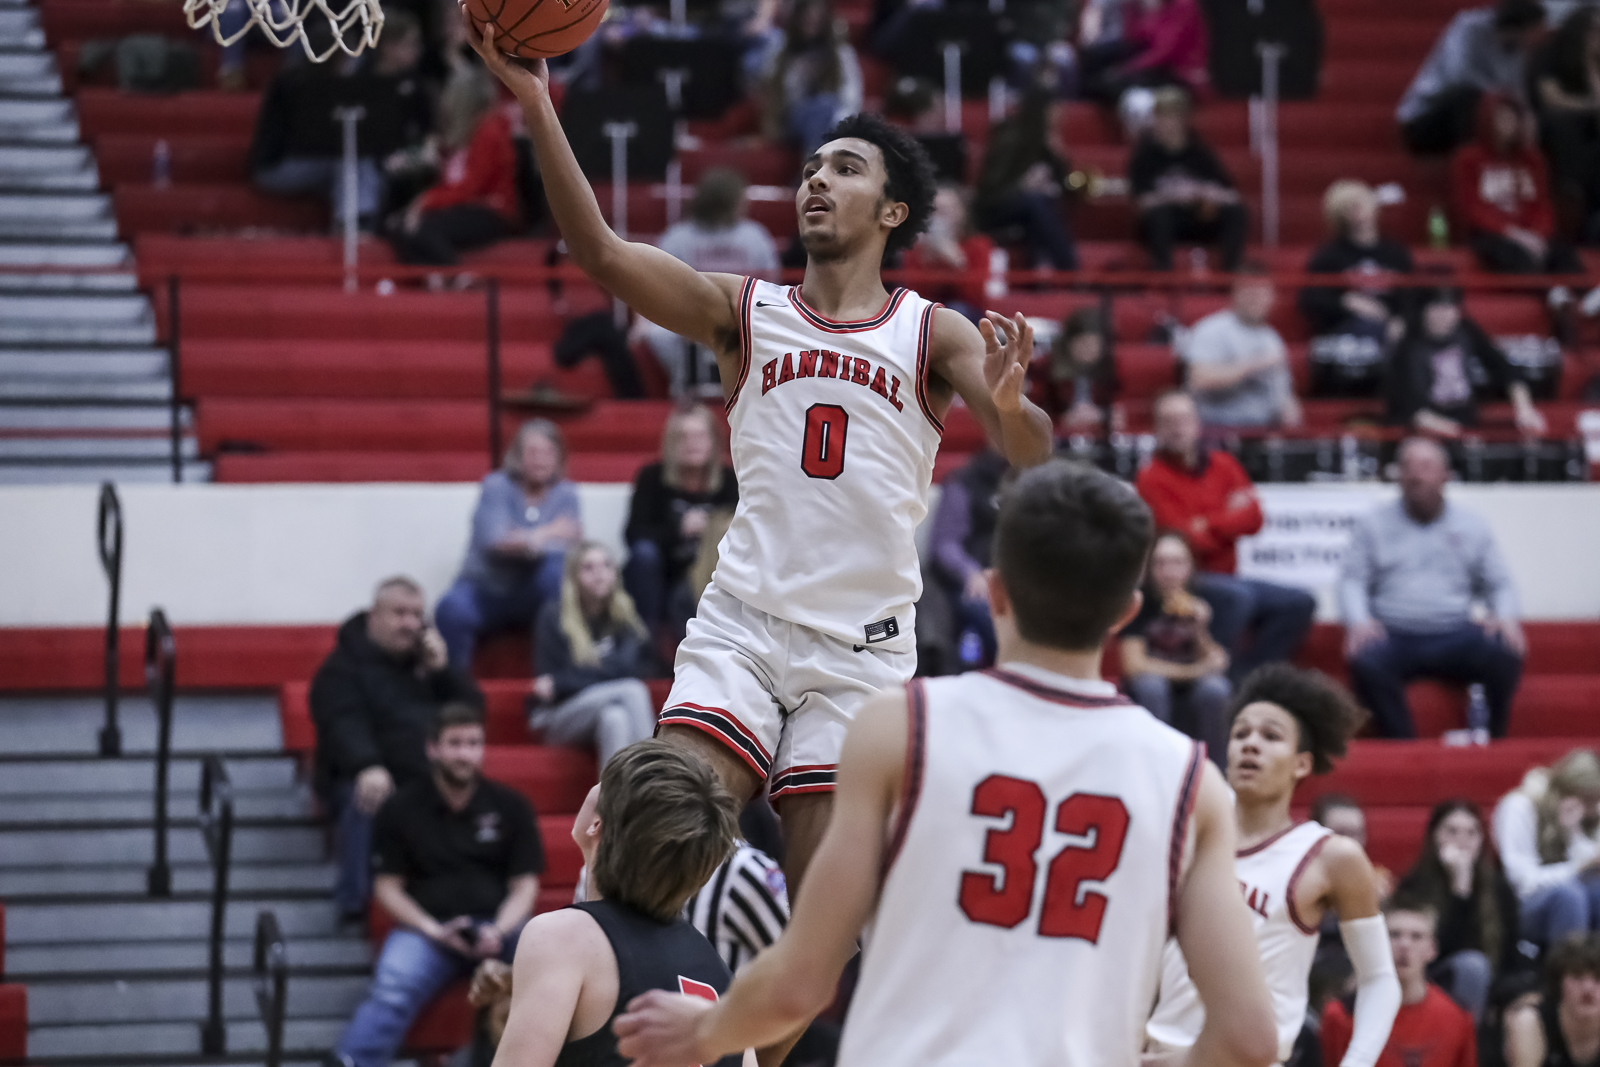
(1163, 42)
(1206, 496)
(950, 245)
(1431, 1030)
(474, 202)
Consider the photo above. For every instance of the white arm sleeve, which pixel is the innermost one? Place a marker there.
(1377, 989)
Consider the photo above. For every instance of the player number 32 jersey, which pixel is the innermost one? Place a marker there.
(833, 442)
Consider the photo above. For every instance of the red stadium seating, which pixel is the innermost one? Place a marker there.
(13, 1022)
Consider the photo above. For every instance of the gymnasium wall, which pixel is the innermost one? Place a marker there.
(287, 554)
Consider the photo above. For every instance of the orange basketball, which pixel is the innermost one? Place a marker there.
(537, 29)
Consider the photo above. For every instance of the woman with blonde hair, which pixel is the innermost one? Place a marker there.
(590, 651)
(1353, 327)
(1548, 834)
(672, 500)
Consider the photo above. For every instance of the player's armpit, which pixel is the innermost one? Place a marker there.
(1219, 944)
(1346, 881)
(547, 978)
(988, 376)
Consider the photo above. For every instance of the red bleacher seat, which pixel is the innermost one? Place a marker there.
(197, 208)
(209, 114)
(13, 1022)
(86, 19)
(128, 159)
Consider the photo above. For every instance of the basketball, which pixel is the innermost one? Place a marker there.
(538, 29)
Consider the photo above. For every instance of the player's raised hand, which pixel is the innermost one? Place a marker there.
(523, 77)
(1005, 362)
(660, 1029)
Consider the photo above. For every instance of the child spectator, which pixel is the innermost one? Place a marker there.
(1429, 1030)
(1170, 662)
(1548, 834)
(1181, 189)
(1022, 180)
(1354, 325)
(950, 245)
(1561, 1029)
(1076, 383)
(1458, 877)
(1340, 813)
(813, 78)
(591, 649)
(1237, 364)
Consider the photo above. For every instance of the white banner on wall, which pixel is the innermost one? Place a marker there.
(1307, 528)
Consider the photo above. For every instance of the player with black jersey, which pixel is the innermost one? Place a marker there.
(666, 822)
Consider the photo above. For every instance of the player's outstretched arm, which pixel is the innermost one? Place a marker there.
(662, 288)
(1219, 944)
(986, 366)
(547, 977)
(788, 984)
(1353, 894)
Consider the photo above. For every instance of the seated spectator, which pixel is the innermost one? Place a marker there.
(474, 203)
(960, 544)
(1076, 383)
(1565, 78)
(672, 502)
(1501, 194)
(1181, 189)
(526, 519)
(1170, 663)
(1562, 1028)
(591, 649)
(1162, 42)
(1547, 831)
(1458, 877)
(1354, 325)
(949, 244)
(1340, 813)
(1430, 1030)
(664, 825)
(457, 860)
(1444, 365)
(1411, 573)
(1237, 365)
(373, 701)
(715, 237)
(1205, 495)
(1482, 50)
(812, 77)
(1022, 180)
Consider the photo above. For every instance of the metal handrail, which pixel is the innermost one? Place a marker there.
(216, 828)
(271, 969)
(109, 544)
(160, 654)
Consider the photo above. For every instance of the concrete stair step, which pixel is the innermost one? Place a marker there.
(47, 84)
(64, 254)
(95, 473)
(69, 181)
(66, 365)
(306, 1037)
(54, 283)
(85, 390)
(200, 724)
(14, 22)
(127, 958)
(68, 778)
(90, 847)
(26, 131)
(36, 111)
(24, 228)
(109, 309)
(243, 878)
(59, 207)
(140, 806)
(62, 334)
(18, 63)
(143, 919)
(151, 418)
(79, 1001)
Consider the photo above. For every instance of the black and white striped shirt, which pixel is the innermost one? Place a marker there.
(743, 908)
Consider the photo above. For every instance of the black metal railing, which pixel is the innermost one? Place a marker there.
(271, 970)
(160, 653)
(216, 828)
(110, 546)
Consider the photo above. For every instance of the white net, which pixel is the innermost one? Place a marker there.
(348, 26)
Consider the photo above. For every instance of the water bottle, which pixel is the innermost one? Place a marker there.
(995, 287)
(161, 164)
(1478, 713)
(971, 649)
(1438, 229)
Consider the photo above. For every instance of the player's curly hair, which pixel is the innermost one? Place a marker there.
(911, 178)
(1328, 716)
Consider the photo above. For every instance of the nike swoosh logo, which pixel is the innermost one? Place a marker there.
(759, 304)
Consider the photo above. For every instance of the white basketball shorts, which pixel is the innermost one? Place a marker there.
(780, 695)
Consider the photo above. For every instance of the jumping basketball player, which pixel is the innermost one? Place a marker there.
(1022, 841)
(1289, 724)
(836, 392)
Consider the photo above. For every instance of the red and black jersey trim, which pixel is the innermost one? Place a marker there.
(1299, 869)
(1058, 696)
(725, 727)
(817, 778)
(746, 293)
(924, 345)
(1187, 795)
(827, 325)
(1262, 846)
(916, 764)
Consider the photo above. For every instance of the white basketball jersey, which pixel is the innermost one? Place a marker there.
(1268, 873)
(833, 443)
(1030, 879)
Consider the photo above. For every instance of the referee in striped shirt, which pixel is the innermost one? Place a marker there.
(743, 908)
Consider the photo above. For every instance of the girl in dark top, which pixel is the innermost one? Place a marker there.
(1077, 382)
(1561, 1029)
(1353, 326)
(1022, 181)
(590, 649)
(671, 500)
(1170, 662)
(1444, 365)
(1459, 877)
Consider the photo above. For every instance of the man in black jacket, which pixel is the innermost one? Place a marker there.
(373, 701)
(1181, 189)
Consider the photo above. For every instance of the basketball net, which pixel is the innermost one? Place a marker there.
(283, 22)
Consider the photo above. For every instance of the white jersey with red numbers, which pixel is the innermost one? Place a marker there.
(1031, 877)
(1268, 873)
(833, 443)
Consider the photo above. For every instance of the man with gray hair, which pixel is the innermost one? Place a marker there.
(373, 701)
(1412, 573)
